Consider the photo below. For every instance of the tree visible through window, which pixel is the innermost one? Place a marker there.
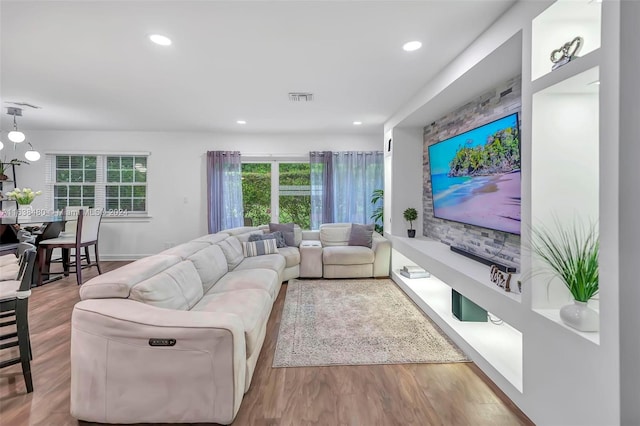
(293, 193)
(256, 192)
(127, 183)
(75, 177)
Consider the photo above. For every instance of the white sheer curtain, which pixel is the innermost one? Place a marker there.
(224, 190)
(355, 176)
(321, 181)
(342, 184)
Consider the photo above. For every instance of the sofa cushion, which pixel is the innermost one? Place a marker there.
(258, 278)
(118, 283)
(275, 262)
(9, 271)
(243, 238)
(178, 287)
(252, 306)
(280, 242)
(232, 250)
(333, 234)
(187, 249)
(259, 248)
(213, 238)
(361, 235)
(210, 264)
(354, 255)
(287, 231)
(291, 256)
(241, 230)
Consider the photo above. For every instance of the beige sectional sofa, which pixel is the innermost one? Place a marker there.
(175, 337)
(339, 259)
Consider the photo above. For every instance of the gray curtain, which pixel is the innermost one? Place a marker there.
(321, 188)
(342, 184)
(224, 190)
(355, 175)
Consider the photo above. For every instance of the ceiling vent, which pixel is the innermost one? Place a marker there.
(300, 97)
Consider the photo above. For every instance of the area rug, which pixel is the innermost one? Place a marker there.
(357, 322)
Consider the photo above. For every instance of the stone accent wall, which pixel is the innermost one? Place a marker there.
(491, 105)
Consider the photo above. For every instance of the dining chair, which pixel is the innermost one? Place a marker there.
(86, 235)
(70, 214)
(14, 300)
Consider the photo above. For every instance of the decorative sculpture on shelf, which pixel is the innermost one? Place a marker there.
(501, 279)
(566, 53)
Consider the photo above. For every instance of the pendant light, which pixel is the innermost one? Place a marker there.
(15, 135)
(32, 154)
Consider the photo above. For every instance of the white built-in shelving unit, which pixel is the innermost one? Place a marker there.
(496, 347)
(565, 138)
(569, 140)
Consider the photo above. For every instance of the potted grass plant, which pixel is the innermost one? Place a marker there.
(378, 213)
(571, 254)
(410, 215)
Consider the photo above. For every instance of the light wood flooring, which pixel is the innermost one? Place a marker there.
(408, 394)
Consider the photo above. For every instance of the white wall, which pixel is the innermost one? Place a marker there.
(564, 180)
(176, 177)
(568, 379)
(629, 175)
(406, 186)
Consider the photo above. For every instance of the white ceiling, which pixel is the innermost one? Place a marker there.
(90, 66)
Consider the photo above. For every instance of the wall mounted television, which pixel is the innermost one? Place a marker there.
(475, 176)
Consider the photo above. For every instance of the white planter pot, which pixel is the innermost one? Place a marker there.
(25, 211)
(580, 316)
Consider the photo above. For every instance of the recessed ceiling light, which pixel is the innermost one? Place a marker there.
(357, 123)
(241, 122)
(160, 39)
(411, 46)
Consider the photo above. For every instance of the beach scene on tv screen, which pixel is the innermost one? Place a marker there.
(475, 176)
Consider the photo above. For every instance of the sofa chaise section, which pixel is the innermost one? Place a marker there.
(171, 338)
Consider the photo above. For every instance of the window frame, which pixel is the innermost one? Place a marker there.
(101, 183)
(275, 176)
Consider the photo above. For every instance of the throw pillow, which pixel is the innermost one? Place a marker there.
(287, 231)
(273, 236)
(258, 248)
(361, 235)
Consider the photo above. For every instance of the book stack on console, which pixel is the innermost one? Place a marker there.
(414, 272)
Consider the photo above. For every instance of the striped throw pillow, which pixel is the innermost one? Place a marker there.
(258, 248)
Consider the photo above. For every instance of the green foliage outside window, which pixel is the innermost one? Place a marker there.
(295, 197)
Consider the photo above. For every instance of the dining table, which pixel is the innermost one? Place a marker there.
(43, 227)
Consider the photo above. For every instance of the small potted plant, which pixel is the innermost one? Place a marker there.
(571, 254)
(410, 215)
(4, 167)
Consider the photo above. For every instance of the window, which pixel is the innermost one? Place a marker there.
(117, 183)
(127, 183)
(277, 192)
(295, 194)
(75, 181)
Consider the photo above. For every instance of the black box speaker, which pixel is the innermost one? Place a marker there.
(465, 310)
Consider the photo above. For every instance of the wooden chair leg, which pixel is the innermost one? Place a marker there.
(86, 255)
(66, 259)
(23, 342)
(95, 248)
(42, 254)
(78, 265)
